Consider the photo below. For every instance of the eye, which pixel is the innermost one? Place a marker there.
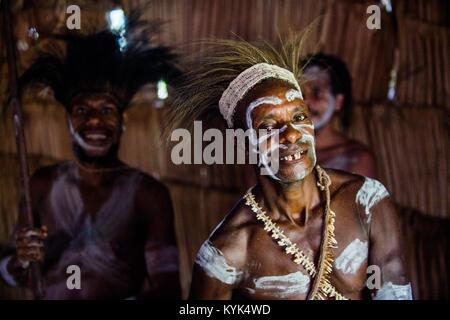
(107, 110)
(266, 126)
(300, 117)
(81, 111)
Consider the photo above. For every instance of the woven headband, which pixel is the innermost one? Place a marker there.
(245, 81)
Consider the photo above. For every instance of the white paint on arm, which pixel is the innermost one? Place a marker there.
(350, 260)
(370, 193)
(214, 264)
(390, 291)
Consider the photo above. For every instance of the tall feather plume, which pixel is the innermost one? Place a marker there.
(200, 88)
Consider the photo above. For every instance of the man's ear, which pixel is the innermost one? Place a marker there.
(339, 101)
(125, 117)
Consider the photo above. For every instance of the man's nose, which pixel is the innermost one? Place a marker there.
(290, 135)
(93, 119)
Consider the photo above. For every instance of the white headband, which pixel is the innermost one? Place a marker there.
(245, 81)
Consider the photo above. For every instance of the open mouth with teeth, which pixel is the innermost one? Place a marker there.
(299, 155)
(96, 138)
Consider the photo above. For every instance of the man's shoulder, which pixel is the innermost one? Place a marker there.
(232, 235)
(46, 174)
(238, 219)
(351, 183)
(148, 183)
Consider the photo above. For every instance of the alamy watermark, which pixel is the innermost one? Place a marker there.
(259, 147)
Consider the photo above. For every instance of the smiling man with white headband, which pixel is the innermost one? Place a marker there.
(302, 232)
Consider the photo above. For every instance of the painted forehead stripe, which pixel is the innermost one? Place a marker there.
(245, 81)
(213, 262)
(264, 100)
(370, 193)
(293, 94)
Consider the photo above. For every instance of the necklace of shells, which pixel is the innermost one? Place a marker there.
(322, 288)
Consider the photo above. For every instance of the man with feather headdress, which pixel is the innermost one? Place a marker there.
(302, 232)
(111, 223)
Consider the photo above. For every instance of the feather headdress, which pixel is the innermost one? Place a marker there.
(96, 63)
(201, 87)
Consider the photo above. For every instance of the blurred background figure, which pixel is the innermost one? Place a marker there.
(328, 93)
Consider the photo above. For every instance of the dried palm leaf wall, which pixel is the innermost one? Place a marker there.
(409, 137)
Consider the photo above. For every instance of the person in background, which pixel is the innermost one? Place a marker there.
(328, 93)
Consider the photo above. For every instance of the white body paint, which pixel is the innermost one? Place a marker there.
(350, 260)
(293, 94)
(370, 193)
(390, 291)
(213, 262)
(92, 242)
(286, 286)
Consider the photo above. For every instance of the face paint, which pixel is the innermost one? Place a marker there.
(326, 117)
(269, 157)
(370, 193)
(80, 141)
(254, 104)
(390, 291)
(286, 286)
(306, 138)
(162, 259)
(265, 155)
(350, 260)
(293, 94)
(213, 262)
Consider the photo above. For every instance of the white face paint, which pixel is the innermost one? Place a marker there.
(80, 141)
(350, 260)
(293, 94)
(287, 286)
(213, 262)
(370, 193)
(326, 117)
(267, 154)
(308, 139)
(390, 291)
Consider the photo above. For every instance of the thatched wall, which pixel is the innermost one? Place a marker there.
(410, 137)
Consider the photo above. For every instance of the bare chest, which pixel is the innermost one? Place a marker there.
(271, 273)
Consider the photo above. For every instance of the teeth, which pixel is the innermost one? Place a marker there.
(296, 156)
(96, 136)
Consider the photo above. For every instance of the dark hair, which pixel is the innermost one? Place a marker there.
(340, 81)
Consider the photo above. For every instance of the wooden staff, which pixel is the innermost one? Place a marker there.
(16, 108)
